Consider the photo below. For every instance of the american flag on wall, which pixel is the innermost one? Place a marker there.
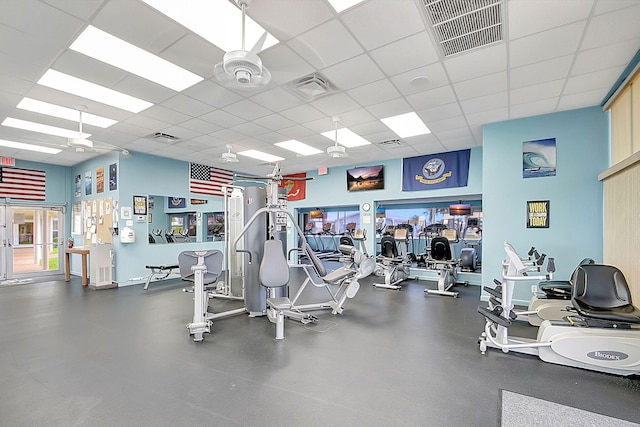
(204, 179)
(22, 184)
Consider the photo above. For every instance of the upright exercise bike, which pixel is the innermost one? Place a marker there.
(603, 335)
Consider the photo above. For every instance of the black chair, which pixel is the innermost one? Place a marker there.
(601, 297)
(560, 289)
(388, 247)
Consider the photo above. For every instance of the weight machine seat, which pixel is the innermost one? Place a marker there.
(388, 247)
(213, 260)
(600, 292)
(274, 269)
(331, 278)
(440, 249)
(560, 289)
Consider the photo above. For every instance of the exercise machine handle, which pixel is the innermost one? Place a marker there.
(551, 265)
(540, 258)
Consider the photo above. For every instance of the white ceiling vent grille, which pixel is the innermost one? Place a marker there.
(163, 137)
(390, 143)
(311, 87)
(462, 25)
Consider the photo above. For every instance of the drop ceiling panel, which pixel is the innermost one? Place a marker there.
(609, 6)
(481, 86)
(212, 94)
(390, 108)
(86, 68)
(586, 82)
(199, 126)
(247, 110)
(527, 17)
(374, 93)
(579, 100)
(302, 113)
(160, 113)
(483, 103)
(331, 43)
(535, 108)
(274, 122)
(221, 118)
(613, 27)
(406, 54)
(353, 72)
(379, 22)
(537, 92)
(440, 112)
(432, 98)
(540, 72)
(550, 44)
(476, 63)
(249, 129)
(488, 116)
(335, 104)
(286, 65)
(277, 99)
(604, 57)
(194, 54)
(289, 18)
(414, 81)
(187, 105)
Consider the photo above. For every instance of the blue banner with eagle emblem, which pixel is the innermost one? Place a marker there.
(442, 170)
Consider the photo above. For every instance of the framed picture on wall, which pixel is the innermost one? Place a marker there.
(538, 214)
(139, 205)
(539, 158)
(365, 178)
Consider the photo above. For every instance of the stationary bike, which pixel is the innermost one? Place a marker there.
(393, 261)
(603, 335)
(443, 261)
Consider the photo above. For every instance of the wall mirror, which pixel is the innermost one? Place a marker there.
(176, 219)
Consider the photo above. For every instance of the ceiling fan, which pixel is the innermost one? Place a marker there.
(228, 157)
(242, 69)
(80, 143)
(336, 151)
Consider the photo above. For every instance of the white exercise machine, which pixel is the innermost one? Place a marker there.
(393, 262)
(602, 335)
(441, 259)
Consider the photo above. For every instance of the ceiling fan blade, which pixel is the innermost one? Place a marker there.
(258, 46)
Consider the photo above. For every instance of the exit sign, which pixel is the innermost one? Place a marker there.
(7, 161)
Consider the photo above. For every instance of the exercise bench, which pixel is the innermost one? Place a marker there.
(159, 269)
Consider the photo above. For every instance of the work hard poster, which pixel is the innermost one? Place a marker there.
(433, 171)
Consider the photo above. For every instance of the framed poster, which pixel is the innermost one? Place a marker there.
(139, 205)
(538, 214)
(539, 158)
(100, 180)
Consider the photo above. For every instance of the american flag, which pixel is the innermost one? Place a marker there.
(22, 184)
(204, 179)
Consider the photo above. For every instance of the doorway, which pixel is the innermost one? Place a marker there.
(31, 241)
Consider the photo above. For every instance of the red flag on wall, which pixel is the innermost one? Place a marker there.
(296, 190)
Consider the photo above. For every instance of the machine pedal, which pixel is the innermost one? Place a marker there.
(492, 291)
(495, 316)
(495, 301)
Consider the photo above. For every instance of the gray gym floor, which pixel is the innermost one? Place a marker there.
(122, 357)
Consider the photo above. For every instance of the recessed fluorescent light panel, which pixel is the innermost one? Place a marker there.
(346, 137)
(119, 53)
(75, 86)
(29, 147)
(217, 21)
(40, 128)
(298, 147)
(260, 156)
(406, 125)
(64, 113)
(340, 5)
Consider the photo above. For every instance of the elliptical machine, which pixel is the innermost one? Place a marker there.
(603, 335)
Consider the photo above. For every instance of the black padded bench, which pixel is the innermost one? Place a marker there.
(159, 269)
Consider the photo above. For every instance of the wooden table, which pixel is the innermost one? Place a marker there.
(84, 252)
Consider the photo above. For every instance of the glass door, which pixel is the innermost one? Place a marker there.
(33, 241)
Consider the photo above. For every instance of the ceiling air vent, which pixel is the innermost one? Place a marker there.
(311, 87)
(390, 143)
(164, 137)
(462, 25)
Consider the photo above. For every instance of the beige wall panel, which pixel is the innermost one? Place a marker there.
(621, 143)
(622, 225)
(635, 114)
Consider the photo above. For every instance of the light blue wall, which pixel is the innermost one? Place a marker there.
(331, 190)
(575, 194)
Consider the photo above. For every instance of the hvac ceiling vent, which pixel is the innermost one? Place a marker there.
(311, 87)
(164, 137)
(462, 25)
(390, 143)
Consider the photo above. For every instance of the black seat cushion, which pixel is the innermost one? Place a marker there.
(388, 247)
(440, 249)
(601, 292)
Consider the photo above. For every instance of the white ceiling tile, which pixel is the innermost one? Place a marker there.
(86, 68)
(536, 92)
(302, 113)
(440, 112)
(480, 86)
(331, 44)
(212, 94)
(531, 109)
(613, 27)
(586, 82)
(540, 72)
(356, 117)
(271, 137)
(390, 108)
(527, 17)
(227, 135)
(277, 99)
(581, 99)
(181, 132)
(199, 125)
(249, 129)
(432, 98)
(406, 54)
(604, 57)
(375, 23)
(221, 118)
(274, 122)
(286, 65)
(353, 72)
(487, 102)
(288, 18)
(488, 116)
(187, 105)
(160, 113)
(453, 123)
(605, 6)
(297, 132)
(335, 104)
(246, 109)
(374, 93)
(421, 79)
(476, 63)
(542, 46)
(194, 54)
